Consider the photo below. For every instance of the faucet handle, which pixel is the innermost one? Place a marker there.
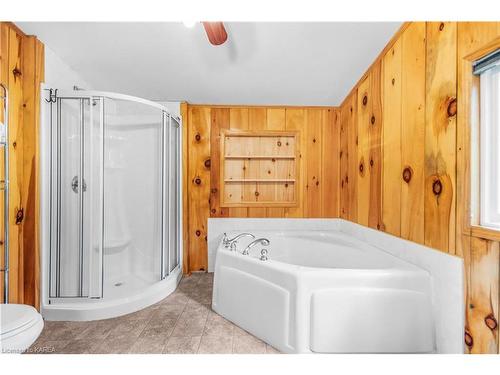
(225, 240)
(263, 254)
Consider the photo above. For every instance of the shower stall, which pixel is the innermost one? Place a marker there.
(111, 195)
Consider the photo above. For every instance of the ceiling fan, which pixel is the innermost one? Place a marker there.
(216, 32)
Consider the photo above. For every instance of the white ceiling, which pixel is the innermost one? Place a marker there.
(261, 63)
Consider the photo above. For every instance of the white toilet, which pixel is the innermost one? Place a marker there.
(20, 326)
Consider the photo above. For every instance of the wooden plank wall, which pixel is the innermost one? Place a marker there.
(319, 151)
(410, 176)
(480, 252)
(22, 71)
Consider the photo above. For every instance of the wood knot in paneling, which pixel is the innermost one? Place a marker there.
(372, 119)
(257, 193)
(491, 322)
(278, 143)
(206, 163)
(19, 216)
(407, 173)
(437, 187)
(197, 181)
(371, 162)
(198, 233)
(469, 341)
(365, 100)
(214, 190)
(441, 26)
(197, 137)
(361, 167)
(452, 107)
(16, 72)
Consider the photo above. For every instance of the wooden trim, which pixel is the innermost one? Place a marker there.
(260, 180)
(260, 204)
(485, 233)
(468, 211)
(14, 27)
(233, 106)
(483, 50)
(185, 181)
(259, 157)
(260, 134)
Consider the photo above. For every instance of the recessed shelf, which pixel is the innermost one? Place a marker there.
(259, 168)
(261, 180)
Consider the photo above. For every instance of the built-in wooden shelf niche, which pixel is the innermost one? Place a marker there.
(259, 168)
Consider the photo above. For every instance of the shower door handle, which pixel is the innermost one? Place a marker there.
(75, 184)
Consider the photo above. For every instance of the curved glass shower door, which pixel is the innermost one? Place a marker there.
(76, 198)
(115, 187)
(133, 196)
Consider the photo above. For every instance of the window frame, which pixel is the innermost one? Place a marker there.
(489, 155)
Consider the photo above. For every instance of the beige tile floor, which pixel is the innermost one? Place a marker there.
(181, 323)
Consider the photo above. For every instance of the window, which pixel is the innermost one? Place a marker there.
(488, 69)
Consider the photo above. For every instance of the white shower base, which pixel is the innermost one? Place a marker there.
(121, 287)
(116, 305)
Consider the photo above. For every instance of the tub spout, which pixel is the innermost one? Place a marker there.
(231, 243)
(261, 241)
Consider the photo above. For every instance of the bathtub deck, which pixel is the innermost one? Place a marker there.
(181, 323)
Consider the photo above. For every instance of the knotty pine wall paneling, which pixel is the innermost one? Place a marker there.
(411, 174)
(22, 71)
(391, 139)
(319, 171)
(198, 189)
(295, 120)
(440, 136)
(426, 95)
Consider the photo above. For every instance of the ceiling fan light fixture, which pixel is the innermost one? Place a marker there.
(216, 32)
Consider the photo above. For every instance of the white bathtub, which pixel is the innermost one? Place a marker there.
(325, 292)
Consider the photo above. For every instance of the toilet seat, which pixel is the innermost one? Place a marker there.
(20, 326)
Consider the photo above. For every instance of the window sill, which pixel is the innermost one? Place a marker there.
(486, 233)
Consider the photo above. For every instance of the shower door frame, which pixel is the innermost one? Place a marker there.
(166, 133)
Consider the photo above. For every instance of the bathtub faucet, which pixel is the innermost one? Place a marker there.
(261, 241)
(231, 243)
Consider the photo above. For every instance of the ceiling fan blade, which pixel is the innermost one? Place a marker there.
(216, 32)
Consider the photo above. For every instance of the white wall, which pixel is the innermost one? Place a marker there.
(173, 107)
(58, 74)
